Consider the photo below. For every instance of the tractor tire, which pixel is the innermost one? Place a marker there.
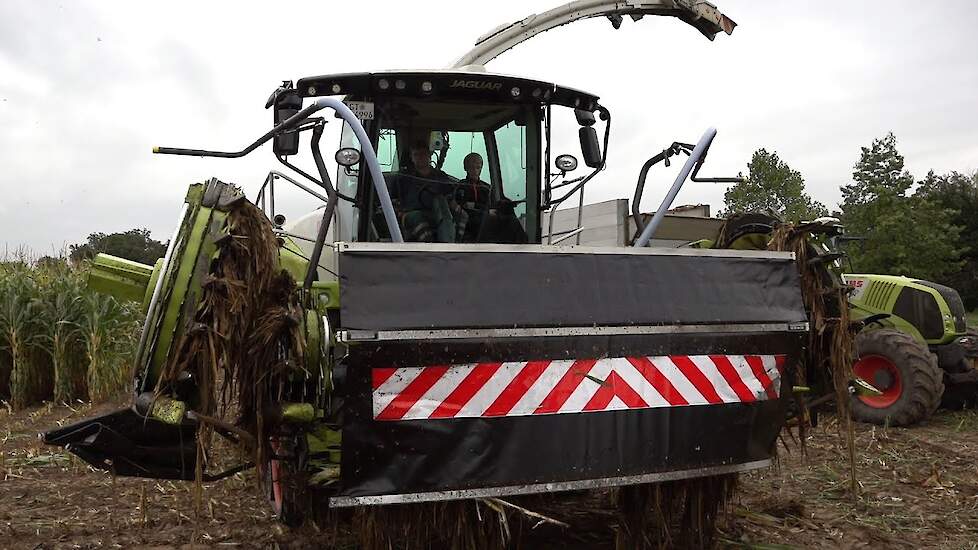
(904, 370)
(961, 376)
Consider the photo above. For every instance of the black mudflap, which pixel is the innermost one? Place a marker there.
(495, 370)
(558, 413)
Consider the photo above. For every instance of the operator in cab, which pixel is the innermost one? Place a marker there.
(427, 209)
(473, 194)
(491, 216)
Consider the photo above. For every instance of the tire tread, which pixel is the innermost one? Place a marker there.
(922, 389)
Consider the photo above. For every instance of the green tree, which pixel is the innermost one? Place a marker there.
(135, 245)
(773, 187)
(958, 193)
(904, 235)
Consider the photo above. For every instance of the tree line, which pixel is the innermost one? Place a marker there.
(136, 245)
(924, 229)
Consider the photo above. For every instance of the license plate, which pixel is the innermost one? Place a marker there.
(364, 110)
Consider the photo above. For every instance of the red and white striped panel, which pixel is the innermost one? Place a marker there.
(572, 386)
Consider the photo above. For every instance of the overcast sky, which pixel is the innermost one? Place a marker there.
(88, 88)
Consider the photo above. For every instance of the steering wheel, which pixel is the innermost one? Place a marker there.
(426, 196)
(423, 188)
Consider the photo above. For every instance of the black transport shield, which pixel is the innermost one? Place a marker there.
(499, 370)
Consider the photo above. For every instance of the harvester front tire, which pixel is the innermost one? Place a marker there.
(286, 490)
(916, 380)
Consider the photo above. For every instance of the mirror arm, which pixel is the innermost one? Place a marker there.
(568, 182)
(317, 250)
(326, 183)
(605, 115)
(369, 158)
(285, 126)
(545, 203)
(696, 170)
(573, 190)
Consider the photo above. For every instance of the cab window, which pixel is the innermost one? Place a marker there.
(425, 148)
(511, 145)
(461, 145)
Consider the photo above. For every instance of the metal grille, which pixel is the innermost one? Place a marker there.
(879, 294)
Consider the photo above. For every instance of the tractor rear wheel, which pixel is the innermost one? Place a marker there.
(904, 370)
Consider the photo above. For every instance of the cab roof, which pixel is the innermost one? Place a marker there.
(458, 85)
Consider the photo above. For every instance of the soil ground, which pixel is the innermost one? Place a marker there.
(917, 488)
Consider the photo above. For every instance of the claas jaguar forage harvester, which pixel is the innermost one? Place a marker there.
(489, 360)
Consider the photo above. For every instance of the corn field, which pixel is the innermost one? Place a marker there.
(59, 341)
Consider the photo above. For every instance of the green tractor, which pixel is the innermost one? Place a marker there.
(915, 349)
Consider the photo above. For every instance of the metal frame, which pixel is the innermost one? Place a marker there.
(270, 184)
(696, 156)
(666, 153)
(537, 488)
(545, 332)
(353, 247)
(574, 232)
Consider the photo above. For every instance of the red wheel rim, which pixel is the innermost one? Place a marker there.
(274, 470)
(884, 376)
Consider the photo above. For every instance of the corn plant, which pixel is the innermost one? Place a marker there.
(60, 308)
(17, 330)
(106, 328)
(5, 366)
(58, 340)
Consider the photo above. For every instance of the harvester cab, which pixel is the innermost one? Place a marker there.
(464, 155)
(416, 339)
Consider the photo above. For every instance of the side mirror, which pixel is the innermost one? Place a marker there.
(347, 156)
(286, 103)
(590, 147)
(566, 163)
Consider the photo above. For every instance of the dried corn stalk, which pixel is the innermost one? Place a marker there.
(246, 337)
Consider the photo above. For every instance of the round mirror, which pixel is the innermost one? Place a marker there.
(566, 163)
(347, 156)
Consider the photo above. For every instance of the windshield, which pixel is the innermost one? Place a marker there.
(456, 172)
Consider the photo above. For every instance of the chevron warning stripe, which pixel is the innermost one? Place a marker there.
(572, 386)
